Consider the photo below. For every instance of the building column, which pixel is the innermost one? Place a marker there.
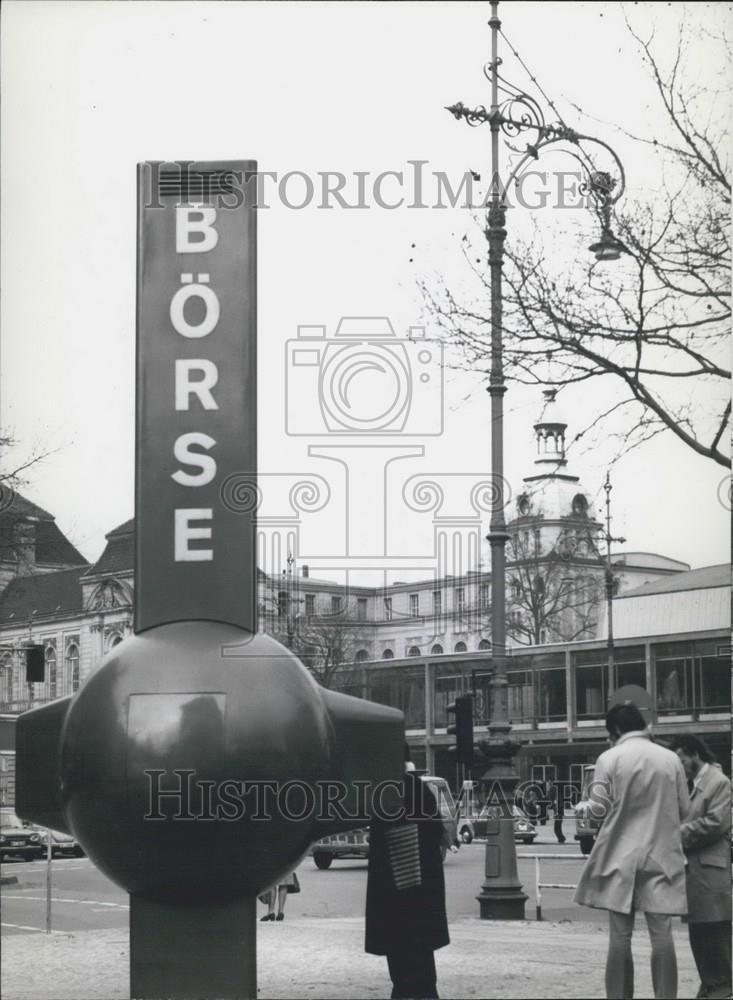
(570, 692)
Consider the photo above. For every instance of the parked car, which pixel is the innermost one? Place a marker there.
(587, 824)
(474, 825)
(18, 840)
(63, 845)
(355, 843)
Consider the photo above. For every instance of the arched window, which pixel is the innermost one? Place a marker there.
(413, 651)
(437, 648)
(461, 647)
(52, 676)
(72, 665)
(361, 655)
(115, 640)
(580, 505)
(387, 654)
(484, 644)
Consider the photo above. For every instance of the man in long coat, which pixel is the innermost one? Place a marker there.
(405, 905)
(637, 862)
(706, 841)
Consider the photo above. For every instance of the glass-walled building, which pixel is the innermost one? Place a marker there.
(557, 697)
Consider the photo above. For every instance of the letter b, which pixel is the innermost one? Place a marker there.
(199, 220)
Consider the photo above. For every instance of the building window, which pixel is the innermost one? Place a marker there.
(388, 608)
(437, 648)
(115, 640)
(714, 681)
(484, 644)
(7, 678)
(413, 651)
(590, 685)
(485, 597)
(551, 695)
(72, 665)
(335, 605)
(282, 603)
(580, 505)
(310, 605)
(361, 656)
(387, 654)
(461, 647)
(460, 600)
(52, 677)
(414, 605)
(674, 679)
(519, 696)
(437, 603)
(405, 693)
(536, 541)
(361, 609)
(445, 690)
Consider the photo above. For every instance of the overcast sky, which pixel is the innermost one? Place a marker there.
(90, 89)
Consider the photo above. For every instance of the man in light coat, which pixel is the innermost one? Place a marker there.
(706, 841)
(637, 863)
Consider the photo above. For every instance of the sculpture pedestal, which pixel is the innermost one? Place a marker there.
(185, 951)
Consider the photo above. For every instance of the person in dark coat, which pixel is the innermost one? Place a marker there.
(706, 842)
(405, 903)
(557, 798)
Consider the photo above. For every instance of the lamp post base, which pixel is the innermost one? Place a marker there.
(501, 896)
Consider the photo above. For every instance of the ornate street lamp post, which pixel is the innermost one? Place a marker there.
(501, 895)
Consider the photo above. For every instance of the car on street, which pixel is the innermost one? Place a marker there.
(474, 825)
(587, 822)
(63, 845)
(17, 840)
(354, 844)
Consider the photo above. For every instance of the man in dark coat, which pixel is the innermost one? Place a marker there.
(405, 904)
(706, 842)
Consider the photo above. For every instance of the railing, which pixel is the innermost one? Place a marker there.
(539, 885)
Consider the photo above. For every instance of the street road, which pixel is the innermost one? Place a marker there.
(83, 898)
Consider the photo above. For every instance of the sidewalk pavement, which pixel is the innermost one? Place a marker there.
(324, 957)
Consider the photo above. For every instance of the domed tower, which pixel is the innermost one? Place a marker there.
(554, 570)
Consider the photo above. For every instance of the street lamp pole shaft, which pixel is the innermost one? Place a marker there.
(496, 234)
(501, 895)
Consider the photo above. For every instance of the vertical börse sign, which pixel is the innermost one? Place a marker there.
(197, 400)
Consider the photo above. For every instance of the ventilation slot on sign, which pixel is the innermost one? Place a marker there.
(195, 186)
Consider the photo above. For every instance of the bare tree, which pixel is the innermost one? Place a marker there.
(657, 322)
(553, 592)
(14, 534)
(326, 643)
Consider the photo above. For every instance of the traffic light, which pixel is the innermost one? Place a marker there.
(35, 665)
(462, 708)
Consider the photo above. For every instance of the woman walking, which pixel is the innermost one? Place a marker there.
(276, 897)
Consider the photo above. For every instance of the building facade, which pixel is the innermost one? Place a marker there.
(415, 645)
